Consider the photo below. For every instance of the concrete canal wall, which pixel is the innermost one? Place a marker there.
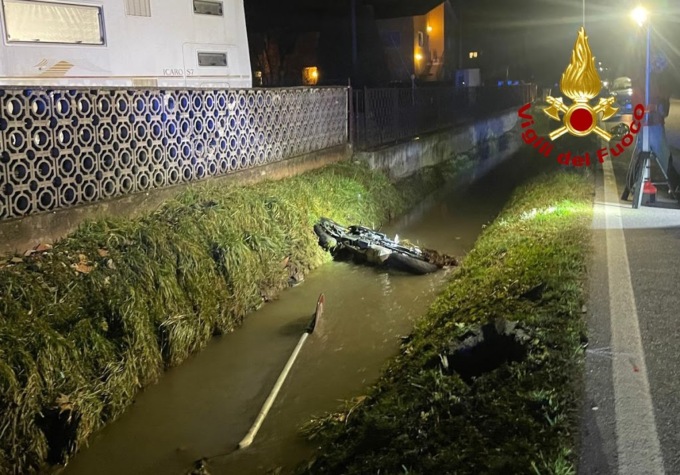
(483, 144)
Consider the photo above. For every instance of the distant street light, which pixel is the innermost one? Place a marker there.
(640, 15)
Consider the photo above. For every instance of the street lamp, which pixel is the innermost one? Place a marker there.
(641, 16)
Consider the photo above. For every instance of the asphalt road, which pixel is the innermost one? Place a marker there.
(652, 246)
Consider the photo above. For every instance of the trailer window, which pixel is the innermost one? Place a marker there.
(212, 59)
(51, 22)
(207, 7)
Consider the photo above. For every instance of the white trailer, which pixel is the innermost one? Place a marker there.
(142, 43)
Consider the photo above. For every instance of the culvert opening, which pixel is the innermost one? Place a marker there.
(60, 426)
(487, 349)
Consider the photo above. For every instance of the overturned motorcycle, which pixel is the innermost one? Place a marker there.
(362, 244)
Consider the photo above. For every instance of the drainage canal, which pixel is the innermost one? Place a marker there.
(204, 407)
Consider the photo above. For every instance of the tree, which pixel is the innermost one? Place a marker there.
(270, 52)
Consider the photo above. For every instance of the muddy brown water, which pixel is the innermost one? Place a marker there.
(204, 407)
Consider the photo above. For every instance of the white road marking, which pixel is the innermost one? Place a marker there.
(606, 352)
(639, 451)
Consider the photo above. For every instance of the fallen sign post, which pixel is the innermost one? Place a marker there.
(250, 436)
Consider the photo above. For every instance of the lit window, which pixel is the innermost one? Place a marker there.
(310, 76)
(51, 22)
(473, 54)
(212, 59)
(208, 7)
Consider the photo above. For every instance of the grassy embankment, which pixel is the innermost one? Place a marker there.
(450, 404)
(85, 325)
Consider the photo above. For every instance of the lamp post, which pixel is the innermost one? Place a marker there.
(355, 47)
(641, 16)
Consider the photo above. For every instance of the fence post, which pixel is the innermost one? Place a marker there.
(351, 117)
(395, 114)
(368, 130)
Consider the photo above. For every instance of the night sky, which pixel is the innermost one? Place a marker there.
(541, 33)
(534, 37)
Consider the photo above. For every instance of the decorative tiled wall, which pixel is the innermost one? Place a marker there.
(60, 148)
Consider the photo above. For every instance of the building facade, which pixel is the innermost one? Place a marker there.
(424, 46)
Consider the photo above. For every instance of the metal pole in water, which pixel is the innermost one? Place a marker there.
(250, 436)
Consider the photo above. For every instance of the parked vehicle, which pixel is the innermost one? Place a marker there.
(365, 245)
(144, 43)
(621, 89)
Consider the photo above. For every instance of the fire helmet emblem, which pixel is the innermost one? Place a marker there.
(581, 83)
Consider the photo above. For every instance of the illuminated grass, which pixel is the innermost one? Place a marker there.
(521, 417)
(76, 347)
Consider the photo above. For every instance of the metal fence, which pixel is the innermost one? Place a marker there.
(60, 148)
(384, 116)
(64, 147)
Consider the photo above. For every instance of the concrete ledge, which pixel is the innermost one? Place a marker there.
(401, 160)
(18, 235)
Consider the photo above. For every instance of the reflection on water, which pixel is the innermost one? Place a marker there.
(206, 406)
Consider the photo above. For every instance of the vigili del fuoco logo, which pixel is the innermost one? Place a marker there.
(580, 83)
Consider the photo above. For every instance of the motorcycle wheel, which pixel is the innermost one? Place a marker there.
(409, 264)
